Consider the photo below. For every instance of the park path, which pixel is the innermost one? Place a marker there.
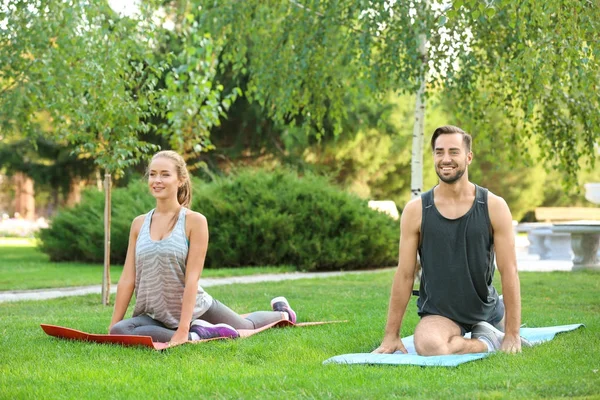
(44, 294)
(525, 262)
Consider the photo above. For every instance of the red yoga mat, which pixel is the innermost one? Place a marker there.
(62, 332)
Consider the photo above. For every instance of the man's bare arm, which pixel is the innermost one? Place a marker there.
(410, 226)
(506, 260)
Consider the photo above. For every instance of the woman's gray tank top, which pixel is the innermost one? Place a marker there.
(457, 261)
(160, 275)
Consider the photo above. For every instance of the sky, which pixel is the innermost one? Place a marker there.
(124, 7)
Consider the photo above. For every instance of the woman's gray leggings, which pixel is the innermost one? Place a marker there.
(218, 313)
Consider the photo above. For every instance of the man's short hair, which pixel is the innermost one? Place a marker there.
(450, 129)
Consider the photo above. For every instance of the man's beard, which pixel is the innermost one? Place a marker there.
(451, 179)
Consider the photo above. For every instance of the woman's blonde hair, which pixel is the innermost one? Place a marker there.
(184, 192)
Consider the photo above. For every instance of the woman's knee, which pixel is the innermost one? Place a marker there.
(121, 328)
(219, 313)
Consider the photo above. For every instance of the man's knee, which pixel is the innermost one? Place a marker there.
(433, 335)
(431, 345)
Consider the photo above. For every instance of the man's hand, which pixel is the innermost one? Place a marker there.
(390, 345)
(511, 344)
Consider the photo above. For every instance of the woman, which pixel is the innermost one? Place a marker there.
(164, 261)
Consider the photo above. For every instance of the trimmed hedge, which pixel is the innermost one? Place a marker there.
(255, 218)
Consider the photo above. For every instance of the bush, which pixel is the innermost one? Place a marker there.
(260, 218)
(77, 233)
(255, 218)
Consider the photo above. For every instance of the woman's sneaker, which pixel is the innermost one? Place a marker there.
(281, 304)
(206, 330)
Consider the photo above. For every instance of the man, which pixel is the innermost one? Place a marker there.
(455, 228)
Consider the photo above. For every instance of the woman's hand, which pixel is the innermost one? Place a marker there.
(179, 337)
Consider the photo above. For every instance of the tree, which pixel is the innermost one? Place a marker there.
(303, 56)
(50, 164)
(96, 75)
(548, 53)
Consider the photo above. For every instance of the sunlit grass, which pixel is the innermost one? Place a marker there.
(17, 242)
(23, 266)
(287, 363)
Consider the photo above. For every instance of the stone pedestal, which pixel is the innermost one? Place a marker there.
(559, 245)
(585, 240)
(550, 245)
(535, 242)
(585, 247)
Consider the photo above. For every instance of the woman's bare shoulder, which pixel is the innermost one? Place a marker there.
(195, 219)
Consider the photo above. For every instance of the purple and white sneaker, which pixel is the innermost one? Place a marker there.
(281, 304)
(206, 330)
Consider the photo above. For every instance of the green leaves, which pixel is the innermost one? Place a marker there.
(104, 79)
(81, 76)
(103, 82)
(189, 102)
(302, 57)
(534, 57)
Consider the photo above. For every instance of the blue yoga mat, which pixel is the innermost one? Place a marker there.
(534, 335)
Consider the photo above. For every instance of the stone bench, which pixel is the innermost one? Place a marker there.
(548, 244)
(543, 242)
(585, 242)
(551, 243)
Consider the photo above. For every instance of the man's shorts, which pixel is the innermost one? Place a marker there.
(494, 320)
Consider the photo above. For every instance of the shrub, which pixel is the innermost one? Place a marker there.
(255, 218)
(77, 233)
(261, 218)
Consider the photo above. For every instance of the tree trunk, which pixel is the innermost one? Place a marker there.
(74, 196)
(106, 275)
(24, 196)
(54, 204)
(416, 163)
(99, 182)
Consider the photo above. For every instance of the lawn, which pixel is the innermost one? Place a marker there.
(287, 363)
(23, 266)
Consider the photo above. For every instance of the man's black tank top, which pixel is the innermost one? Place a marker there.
(457, 261)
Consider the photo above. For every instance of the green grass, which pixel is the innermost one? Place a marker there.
(23, 266)
(16, 242)
(287, 363)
